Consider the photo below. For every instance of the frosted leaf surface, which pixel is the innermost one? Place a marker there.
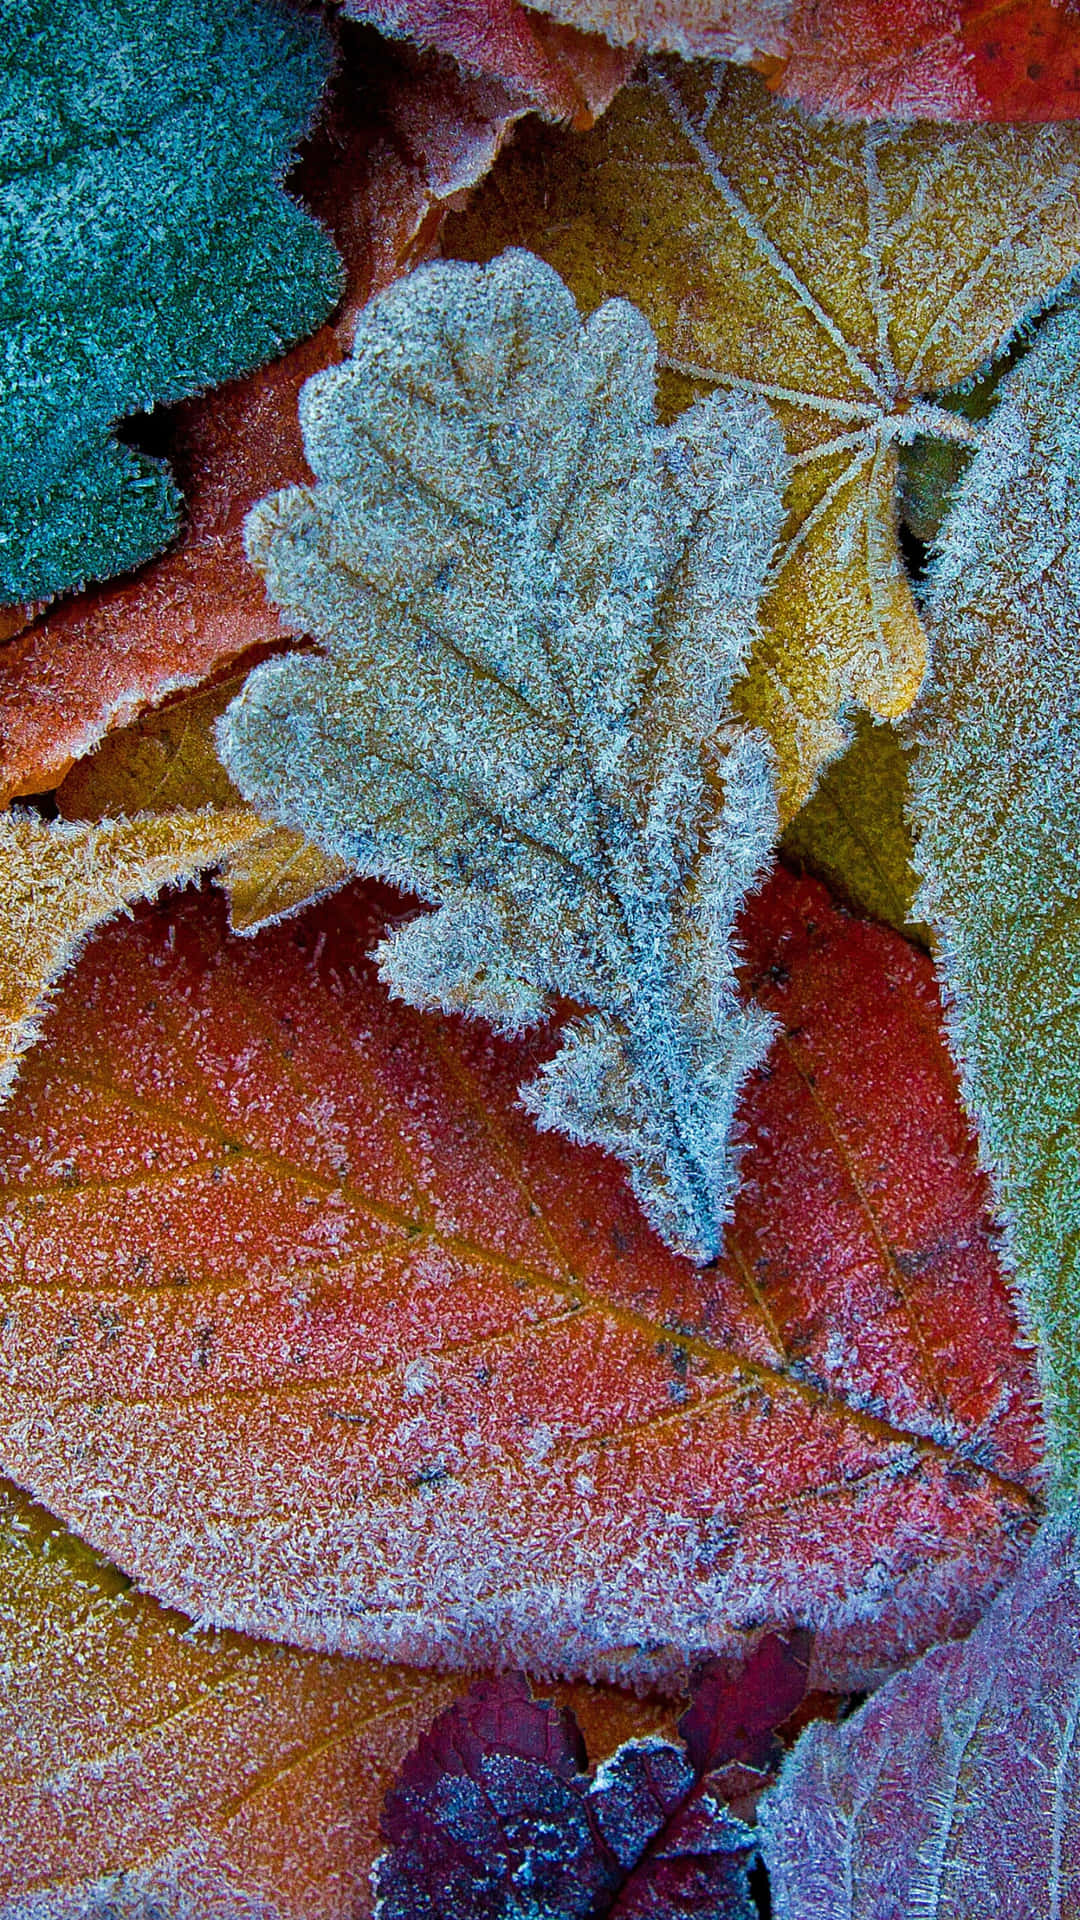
(534, 600)
(996, 811)
(849, 274)
(303, 1323)
(58, 881)
(954, 1793)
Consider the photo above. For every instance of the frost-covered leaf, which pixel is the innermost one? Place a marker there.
(494, 1814)
(148, 1769)
(953, 1794)
(148, 252)
(306, 1325)
(716, 29)
(925, 60)
(402, 134)
(567, 74)
(533, 601)
(58, 881)
(848, 274)
(166, 762)
(996, 808)
(853, 831)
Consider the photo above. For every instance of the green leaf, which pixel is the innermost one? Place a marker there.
(147, 251)
(535, 600)
(853, 832)
(996, 809)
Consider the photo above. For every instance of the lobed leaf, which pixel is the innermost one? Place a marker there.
(149, 252)
(306, 1326)
(401, 136)
(847, 275)
(955, 1791)
(533, 601)
(494, 1812)
(997, 825)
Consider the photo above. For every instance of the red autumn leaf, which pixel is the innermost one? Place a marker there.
(494, 1809)
(932, 59)
(405, 133)
(306, 1326)
(568, 75)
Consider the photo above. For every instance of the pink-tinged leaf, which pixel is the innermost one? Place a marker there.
(405, 133)
(954, 1793)
(307, 1326)
(958, 60)
(568, 75)
(494, 1813)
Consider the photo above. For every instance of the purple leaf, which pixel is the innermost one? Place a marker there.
(494, 1816)
(954, 1793)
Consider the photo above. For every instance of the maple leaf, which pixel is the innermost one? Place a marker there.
(568, 75)
(533, 601)
(166, 762)
(997, 828)
(955, 1791)
(917, 59)
(402, 134)
(59, 881)
(307, 1327)
(150, 252)
(494, 1810)
(846, 274)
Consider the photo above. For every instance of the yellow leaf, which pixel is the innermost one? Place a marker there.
(60, 879)
(167, 760)
(845, 273)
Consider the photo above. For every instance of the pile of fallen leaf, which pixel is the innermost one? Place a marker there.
(540, 960)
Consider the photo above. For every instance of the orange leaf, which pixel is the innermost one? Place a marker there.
(213, 1773)
(404, 135)
(307, 1326)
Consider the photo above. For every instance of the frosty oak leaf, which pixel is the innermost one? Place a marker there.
(847, 274)
(996, 812)
(533, 600)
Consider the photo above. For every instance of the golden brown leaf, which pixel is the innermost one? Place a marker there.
(143, 1761)
(845, 273)
(166, 760)
(59, 880)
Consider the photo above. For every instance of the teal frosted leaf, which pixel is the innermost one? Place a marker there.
(954, 1793)
(147, 251)
(533, 601)
(996, 811)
